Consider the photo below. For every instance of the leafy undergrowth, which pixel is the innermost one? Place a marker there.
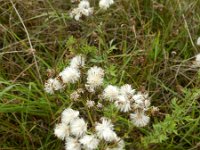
(148, 44)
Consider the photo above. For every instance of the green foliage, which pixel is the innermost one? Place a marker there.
(80, 48)
(161, 131)
(180, 117)
(156, 50)
(87, 49)
(71, 42)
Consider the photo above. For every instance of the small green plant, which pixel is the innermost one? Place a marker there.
(182, 118)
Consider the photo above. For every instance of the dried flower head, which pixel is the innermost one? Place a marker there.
(105, 4)
(70, 75)
(90, 142)
(77, 62)
(111, 93)
(198, 41)
(197, 60)
(90, 103)
(82, 9)
(94, 78)
(74, 96)
(52, 85)
(78, 127)
(141, 100)
(61, 131)
(72, 144)
(127, 90)
(48, 86)
(123, 103)
(105, 130)
(68, 115)
(139, 119)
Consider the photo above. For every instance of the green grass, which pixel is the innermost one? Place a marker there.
(147, 43)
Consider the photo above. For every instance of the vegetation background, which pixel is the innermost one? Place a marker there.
(150, 44)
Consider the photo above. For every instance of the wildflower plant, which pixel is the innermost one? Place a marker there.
(83, 124)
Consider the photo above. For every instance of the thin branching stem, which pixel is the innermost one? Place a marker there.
(29, 40)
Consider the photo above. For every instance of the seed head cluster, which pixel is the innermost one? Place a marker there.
(84, 8)
(91, 95)
(74, 130)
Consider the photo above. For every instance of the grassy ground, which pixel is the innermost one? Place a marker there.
(147, 43)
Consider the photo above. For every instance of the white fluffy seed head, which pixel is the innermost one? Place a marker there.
(78, 127)
(76, 14)
(198, 41)
(86, 10)
(90, 103)
(84, 4)
(123, 103)
(52, 85)
(111, 93)
(74, 96)
(61, 131)
(77, 62)
(141, 100)
(139, 119)
(70, 75)
(72, 144)
(127, 90)
(105, 4)
(48, 86)
(68, 115)
(94, 77)
(57, 85)
(138, 98)
(90, 142)
(105, 131)
(197, 57)
(197, 60)
(82, 9)
(147, 103)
